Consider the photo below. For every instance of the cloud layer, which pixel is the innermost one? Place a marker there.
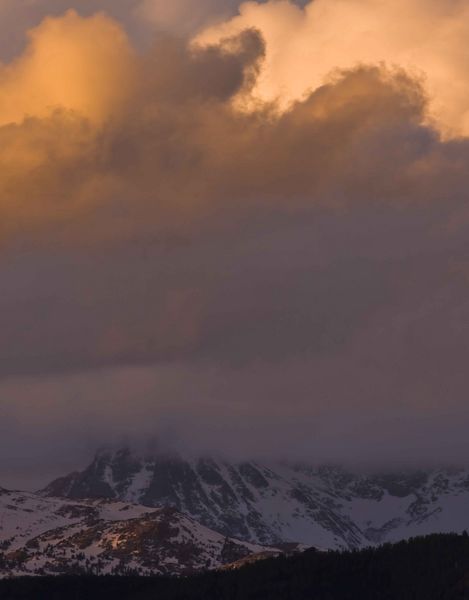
(288, 279)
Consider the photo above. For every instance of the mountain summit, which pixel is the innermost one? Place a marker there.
(274, 503)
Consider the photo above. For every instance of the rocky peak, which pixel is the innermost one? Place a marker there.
(272, 503)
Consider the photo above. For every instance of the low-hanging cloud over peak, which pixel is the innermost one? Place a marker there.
(180, 242)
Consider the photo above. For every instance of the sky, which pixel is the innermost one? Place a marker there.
(239, 229)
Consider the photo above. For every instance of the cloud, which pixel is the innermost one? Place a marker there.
(184, 16)
(71, 64)
(304, 45)
(140, 18)
(170, 260)
(177, 167)
(18, 17)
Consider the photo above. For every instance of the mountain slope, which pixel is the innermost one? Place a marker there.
(325, 507)
(55, 536)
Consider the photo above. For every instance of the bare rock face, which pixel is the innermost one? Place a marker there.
(40, 536)
(276, 503)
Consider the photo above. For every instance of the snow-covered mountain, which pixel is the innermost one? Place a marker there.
(41, 535)
(326, 507)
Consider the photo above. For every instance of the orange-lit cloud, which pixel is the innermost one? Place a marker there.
(304, 45)
(153, 140)
(71, 64)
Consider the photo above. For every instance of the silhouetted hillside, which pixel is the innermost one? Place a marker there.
(431, 568)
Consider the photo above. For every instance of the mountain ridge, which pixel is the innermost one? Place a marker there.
(48, 535)
(271, 503)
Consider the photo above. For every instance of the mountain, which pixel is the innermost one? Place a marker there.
(40, 536)
(431, 568)
(273, 503)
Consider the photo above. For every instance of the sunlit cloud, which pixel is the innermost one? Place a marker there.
(70, 64)
(305, 45)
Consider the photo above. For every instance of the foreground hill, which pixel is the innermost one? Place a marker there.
(40, 536)
(432, 568)
(272, 503)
